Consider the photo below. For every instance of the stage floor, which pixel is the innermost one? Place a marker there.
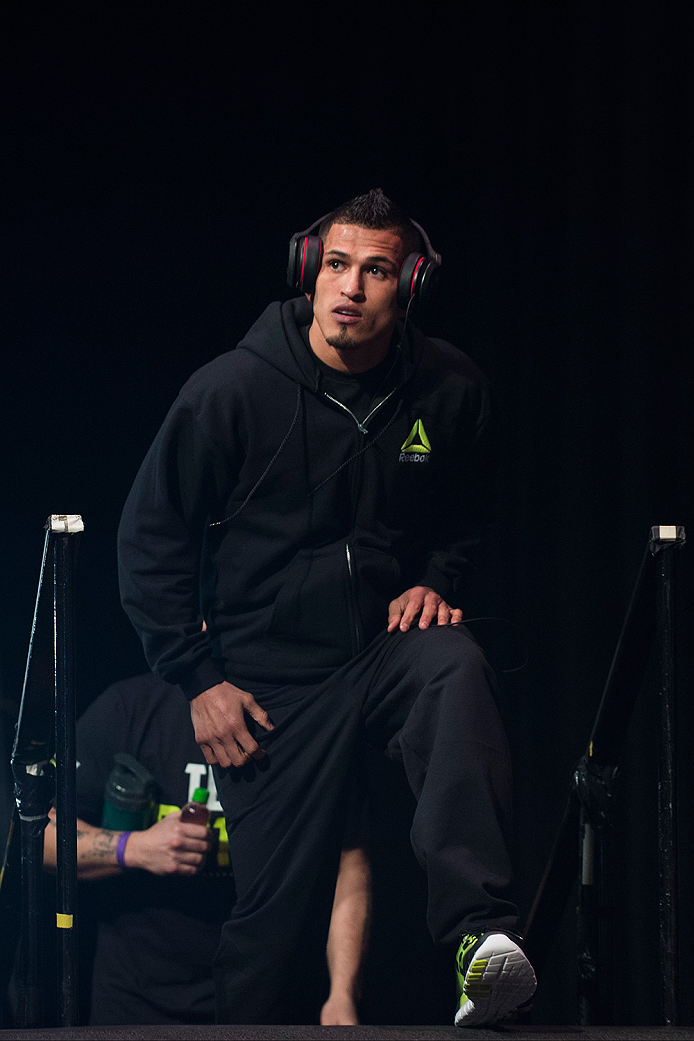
(360, 1033)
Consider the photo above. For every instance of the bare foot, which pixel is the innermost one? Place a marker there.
(339, 1012)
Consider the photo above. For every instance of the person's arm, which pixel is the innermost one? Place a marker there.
(348, 939)
(185, 479)
(169, 847)
(159, 544)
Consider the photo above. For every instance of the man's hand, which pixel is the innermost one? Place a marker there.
(169, 847)
(422, 601)
(220, 727)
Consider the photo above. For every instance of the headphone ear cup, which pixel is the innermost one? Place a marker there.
(418, 278)
(409, 275)
(427, 281)
(309, 259)
(305, 256)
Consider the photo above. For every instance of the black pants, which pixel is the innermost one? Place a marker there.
(424, 697)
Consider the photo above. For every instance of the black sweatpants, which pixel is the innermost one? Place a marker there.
(424, 697)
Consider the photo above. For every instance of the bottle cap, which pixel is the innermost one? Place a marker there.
(201, 795)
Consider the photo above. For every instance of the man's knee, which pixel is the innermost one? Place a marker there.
(452, 650)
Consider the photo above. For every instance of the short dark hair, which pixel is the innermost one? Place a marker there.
(375, 210)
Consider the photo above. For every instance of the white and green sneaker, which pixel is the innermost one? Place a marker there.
(494, 979)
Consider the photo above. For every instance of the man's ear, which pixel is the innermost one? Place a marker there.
(309, 297)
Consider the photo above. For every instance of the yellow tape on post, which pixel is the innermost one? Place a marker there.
(63, 921)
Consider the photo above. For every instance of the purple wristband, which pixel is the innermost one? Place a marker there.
(120, 847)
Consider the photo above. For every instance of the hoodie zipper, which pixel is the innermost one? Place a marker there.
(363, 429)
(357, 635)
(361, 426)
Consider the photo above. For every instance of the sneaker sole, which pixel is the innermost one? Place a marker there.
(498, 980)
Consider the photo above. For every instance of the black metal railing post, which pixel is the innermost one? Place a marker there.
(65, 548)
(663, 541)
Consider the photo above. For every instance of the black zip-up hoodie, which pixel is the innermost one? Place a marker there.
(263, 508)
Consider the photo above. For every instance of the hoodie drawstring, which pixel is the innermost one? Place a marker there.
(266, 471)
(360, 452)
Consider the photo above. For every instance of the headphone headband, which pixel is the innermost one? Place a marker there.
(418, 277)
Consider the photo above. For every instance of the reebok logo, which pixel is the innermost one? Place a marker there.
(416, 447)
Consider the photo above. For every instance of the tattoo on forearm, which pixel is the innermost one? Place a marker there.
(104, 844)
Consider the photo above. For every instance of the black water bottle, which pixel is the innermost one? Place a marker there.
(129, 803)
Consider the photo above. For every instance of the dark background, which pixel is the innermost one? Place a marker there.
(157, 158)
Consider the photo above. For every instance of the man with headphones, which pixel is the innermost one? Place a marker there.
(316, 496)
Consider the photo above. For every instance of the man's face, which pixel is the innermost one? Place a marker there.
(355, 299)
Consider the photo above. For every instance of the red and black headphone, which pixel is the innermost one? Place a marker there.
(416, 283)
